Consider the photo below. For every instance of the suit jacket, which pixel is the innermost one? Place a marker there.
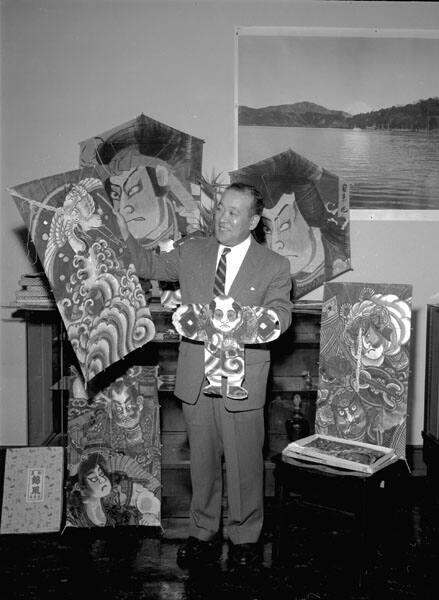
(263, 280)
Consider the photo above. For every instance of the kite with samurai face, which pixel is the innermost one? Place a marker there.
(72, 225)
(225, 327)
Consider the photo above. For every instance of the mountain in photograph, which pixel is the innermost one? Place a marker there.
(420, 115)
(300, 114)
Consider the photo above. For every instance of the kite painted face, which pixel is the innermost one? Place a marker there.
(350, 416)
(383, 325)
(125, 408)
(98, 483)
(287, 233)
(226, 314)
(149, 216)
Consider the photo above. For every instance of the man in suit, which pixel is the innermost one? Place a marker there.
(220, 426)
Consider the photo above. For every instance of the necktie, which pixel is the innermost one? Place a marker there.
(220, 276)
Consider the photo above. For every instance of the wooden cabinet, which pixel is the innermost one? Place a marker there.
(292, 386)
(430, 433)
(48, 359)
(294, 371)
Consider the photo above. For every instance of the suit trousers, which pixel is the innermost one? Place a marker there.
(215, 432)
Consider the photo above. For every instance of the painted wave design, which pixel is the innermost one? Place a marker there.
(106, 315)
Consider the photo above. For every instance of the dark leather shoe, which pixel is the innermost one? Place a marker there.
(193, 552)
(244, 555)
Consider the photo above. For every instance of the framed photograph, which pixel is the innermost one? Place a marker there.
(361, 103)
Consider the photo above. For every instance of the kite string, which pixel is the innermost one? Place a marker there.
(97, 155)
(43, 188)
(16, 194)
(266, 188)
(30, 245)
(31, 255)
(104, 199)
(111, 237)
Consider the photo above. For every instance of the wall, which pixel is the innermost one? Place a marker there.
(73, 68)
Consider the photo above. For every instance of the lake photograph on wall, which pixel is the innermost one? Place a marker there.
(361, 103)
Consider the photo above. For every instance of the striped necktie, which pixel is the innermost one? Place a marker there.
(220, 276)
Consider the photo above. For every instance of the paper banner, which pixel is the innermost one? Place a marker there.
(364, 363)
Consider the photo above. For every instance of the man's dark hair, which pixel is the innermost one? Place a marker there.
(254, 193)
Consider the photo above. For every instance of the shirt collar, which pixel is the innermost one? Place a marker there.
(240, 248)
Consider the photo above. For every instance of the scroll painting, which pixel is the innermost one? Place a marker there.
(152, 173)
(306, 216)
(72, 225)
(364, 363)
(113, 454)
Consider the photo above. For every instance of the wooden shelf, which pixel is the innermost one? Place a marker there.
(49, 357)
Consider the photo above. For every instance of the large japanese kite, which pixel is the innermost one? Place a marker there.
(306, 216)
(72, 225)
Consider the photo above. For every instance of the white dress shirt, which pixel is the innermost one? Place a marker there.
(234, 260)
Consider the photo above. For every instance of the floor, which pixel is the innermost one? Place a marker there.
(125, 563)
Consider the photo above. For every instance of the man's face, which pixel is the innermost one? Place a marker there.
(234, 219)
